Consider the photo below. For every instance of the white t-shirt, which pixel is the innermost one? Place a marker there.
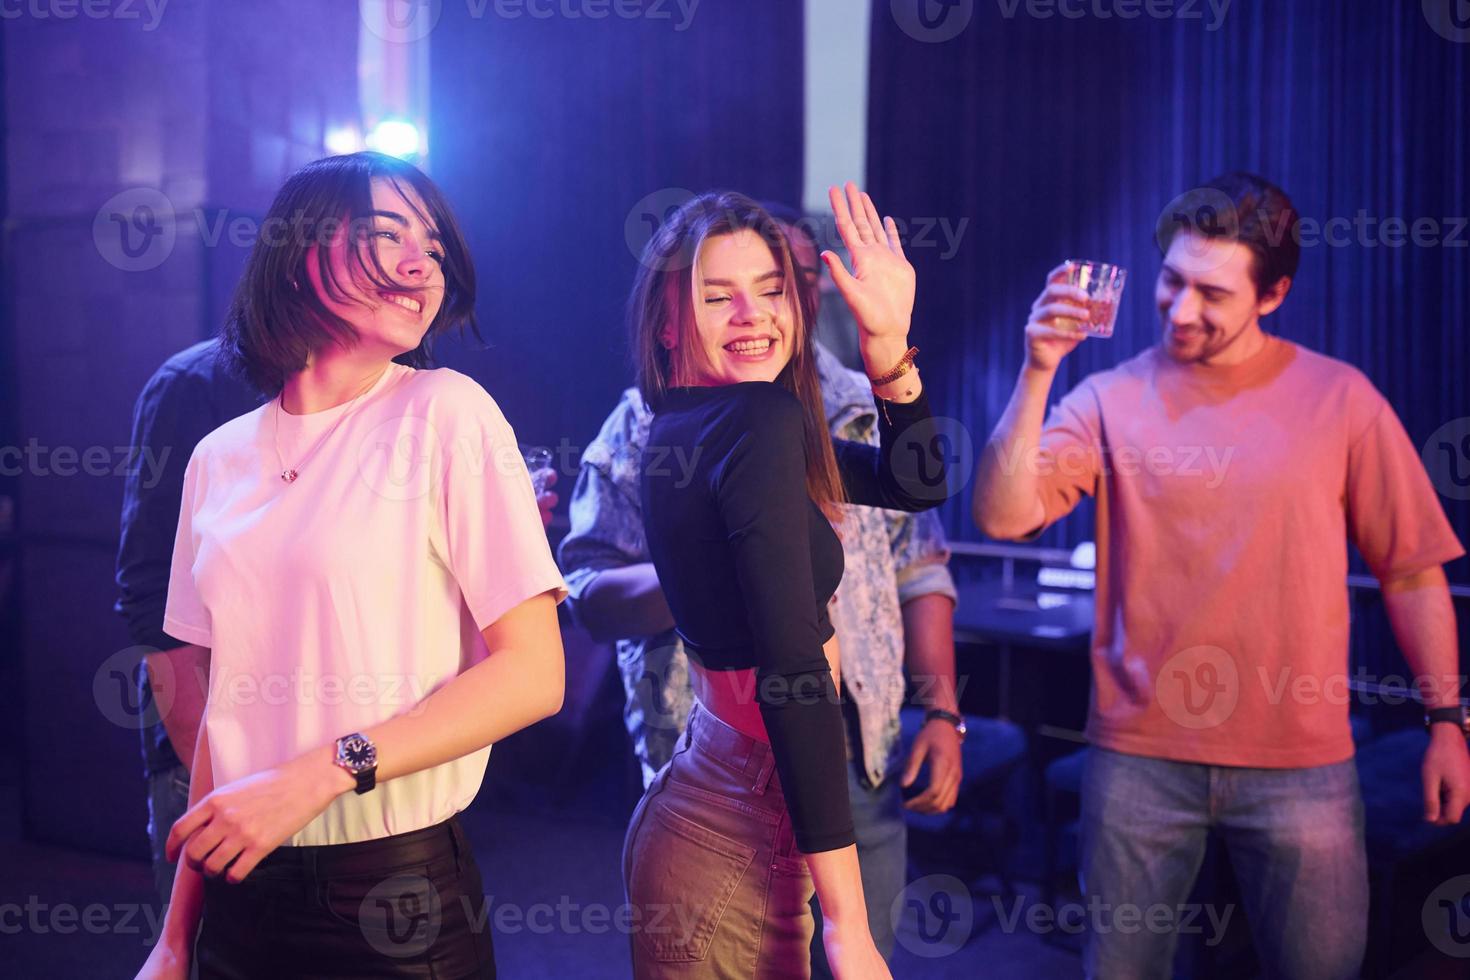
(347, 597)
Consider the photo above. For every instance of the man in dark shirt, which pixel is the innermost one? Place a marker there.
(188, 397)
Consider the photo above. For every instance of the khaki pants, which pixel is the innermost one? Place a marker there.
(717, 886)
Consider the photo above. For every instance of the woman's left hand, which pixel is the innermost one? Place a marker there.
(880, 289)
(241, 822)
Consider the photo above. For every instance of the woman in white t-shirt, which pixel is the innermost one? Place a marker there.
(365, 563)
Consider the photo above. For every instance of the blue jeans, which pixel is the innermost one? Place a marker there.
(882, 843)
(1294, 838)
(168, 798)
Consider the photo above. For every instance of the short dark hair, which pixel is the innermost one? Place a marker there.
(1248, 209)
(276, 320)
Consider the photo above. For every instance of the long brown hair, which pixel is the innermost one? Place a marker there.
(663, 293)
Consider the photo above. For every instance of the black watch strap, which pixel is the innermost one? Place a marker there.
(949, 716)
(366, 779)
(1456, 715)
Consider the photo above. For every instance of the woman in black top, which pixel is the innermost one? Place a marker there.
(741, 478)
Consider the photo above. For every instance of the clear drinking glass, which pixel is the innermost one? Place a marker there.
(1104, 284)
(538, 461)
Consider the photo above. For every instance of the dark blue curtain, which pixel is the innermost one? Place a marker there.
(560, 139)
(1057, 137)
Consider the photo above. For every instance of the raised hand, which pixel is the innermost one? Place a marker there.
(1054, 328)
(880, 289)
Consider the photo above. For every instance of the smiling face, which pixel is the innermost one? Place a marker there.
(744, 322)
(1207, 300)
(394, 320)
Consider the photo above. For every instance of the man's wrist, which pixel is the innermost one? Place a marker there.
(1036, 374)
(952, 720)
(1451, 717)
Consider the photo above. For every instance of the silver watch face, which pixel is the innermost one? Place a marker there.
(356, 754)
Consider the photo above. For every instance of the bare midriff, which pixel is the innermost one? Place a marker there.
(729, 695)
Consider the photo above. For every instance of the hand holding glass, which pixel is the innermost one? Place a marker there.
(1104, 284)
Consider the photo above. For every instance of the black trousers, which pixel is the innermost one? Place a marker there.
(410, 905)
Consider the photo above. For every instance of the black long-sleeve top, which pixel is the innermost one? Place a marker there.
(748, 562)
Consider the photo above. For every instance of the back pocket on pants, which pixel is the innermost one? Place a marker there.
(681, 880)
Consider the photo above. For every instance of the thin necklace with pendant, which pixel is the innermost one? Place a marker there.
(290, 473)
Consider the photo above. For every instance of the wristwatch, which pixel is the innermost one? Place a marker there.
(1456, 715)
(949, 716)
(358, 755)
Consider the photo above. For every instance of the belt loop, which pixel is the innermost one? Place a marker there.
(763, 775)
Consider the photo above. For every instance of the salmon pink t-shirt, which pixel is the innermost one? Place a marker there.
(1226, 497)
(347, 597)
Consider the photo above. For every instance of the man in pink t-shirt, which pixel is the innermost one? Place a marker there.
(1230, 468)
